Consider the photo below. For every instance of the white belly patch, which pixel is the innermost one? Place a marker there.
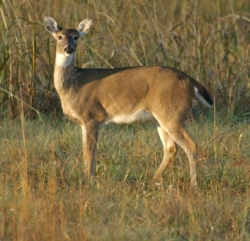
(140, 116)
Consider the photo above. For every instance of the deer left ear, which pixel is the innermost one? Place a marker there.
(51, 24)
(84, 26)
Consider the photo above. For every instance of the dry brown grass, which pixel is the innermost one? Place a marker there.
(208, 40)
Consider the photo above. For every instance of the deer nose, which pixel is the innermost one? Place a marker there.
(68, 49)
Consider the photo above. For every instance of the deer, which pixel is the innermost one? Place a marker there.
(92, 97)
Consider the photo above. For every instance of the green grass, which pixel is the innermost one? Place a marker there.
(52, 202)
(43, 195)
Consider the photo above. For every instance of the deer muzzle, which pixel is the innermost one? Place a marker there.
(69, 50)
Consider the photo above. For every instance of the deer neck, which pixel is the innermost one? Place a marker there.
(64, 73)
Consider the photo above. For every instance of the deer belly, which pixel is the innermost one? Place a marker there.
(139, 116)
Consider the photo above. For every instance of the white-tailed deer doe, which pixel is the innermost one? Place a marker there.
(92, 97)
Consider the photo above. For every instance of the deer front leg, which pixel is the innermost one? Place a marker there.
(89, 142)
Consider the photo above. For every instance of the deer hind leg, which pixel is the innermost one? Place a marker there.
(169, 153)
(179, 134)
(181, 137)
(89, 143)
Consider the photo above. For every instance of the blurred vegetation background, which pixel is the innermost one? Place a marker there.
(209, 40)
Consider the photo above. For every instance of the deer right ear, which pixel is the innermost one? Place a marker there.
(84, 26)
(51, 24)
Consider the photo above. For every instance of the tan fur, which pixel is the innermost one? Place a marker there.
(91, 97)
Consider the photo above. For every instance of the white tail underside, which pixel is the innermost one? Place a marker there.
(201, 99)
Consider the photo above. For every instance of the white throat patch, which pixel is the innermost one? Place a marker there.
(63, 60)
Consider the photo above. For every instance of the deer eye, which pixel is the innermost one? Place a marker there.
(75, 38)
(59, 37)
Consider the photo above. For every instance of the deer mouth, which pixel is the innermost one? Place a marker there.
(68, 50)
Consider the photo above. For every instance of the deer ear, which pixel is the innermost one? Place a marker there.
(84, 26)
(51, 24)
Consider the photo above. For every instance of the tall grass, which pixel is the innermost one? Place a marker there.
(208, 40)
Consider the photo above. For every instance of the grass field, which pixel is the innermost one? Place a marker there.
(44, 196)
(43, 193)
